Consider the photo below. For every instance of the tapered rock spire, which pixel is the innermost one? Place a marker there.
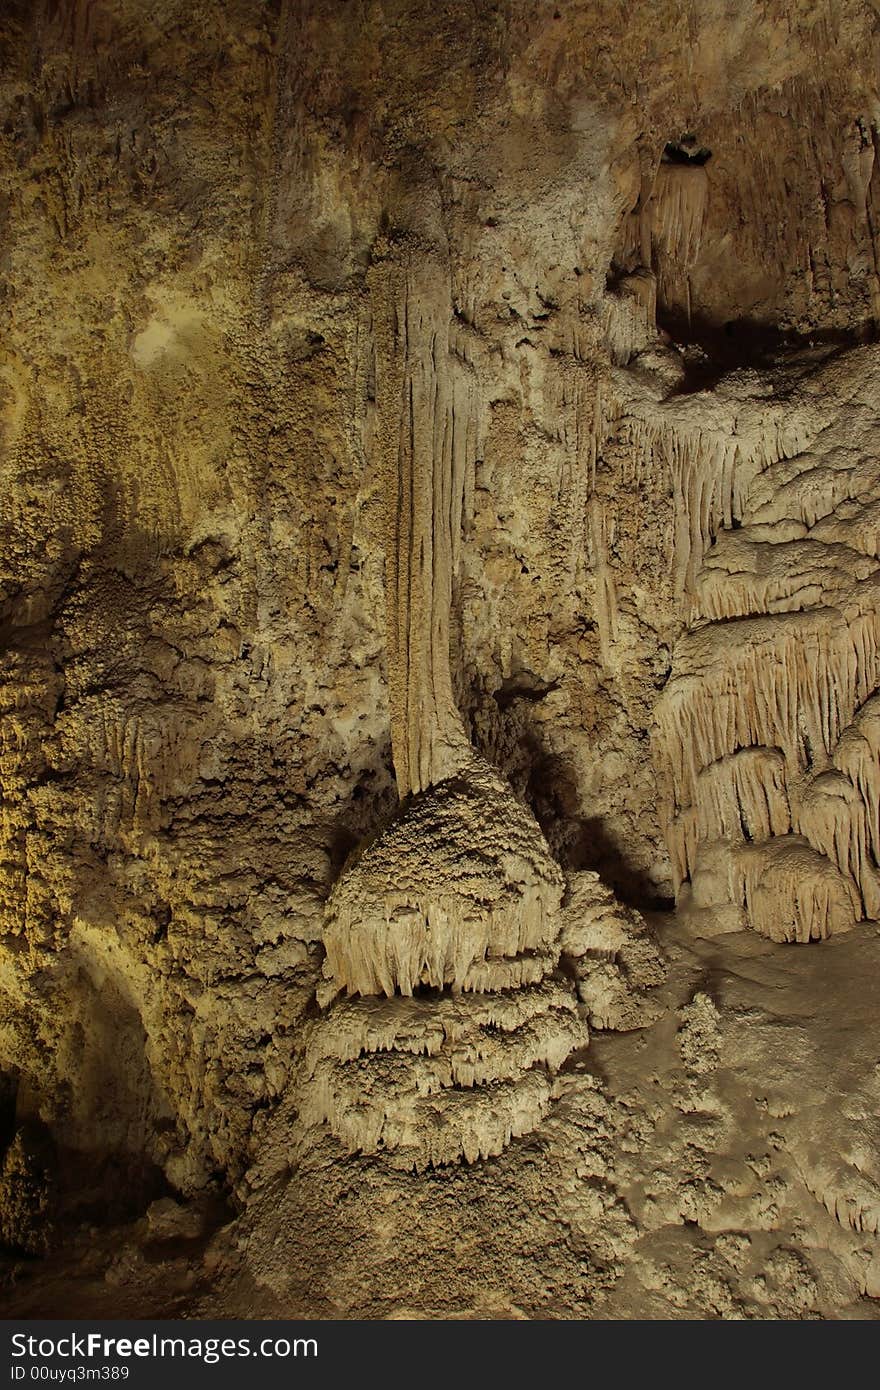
(459, 896)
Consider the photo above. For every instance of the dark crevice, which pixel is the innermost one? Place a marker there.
(8, 1099)
(584, 842)
(523, 686)
(687, 151)
(748, 343)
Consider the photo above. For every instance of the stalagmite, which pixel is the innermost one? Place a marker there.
(440, 660)
(459, 883)
(433, 1079)
(459, 896)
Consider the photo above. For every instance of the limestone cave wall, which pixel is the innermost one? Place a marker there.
(592, 288)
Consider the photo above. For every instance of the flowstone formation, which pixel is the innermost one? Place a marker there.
(768, 740)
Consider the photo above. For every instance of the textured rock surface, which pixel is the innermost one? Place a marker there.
(382, 385)
(764, 739)
(458, 902)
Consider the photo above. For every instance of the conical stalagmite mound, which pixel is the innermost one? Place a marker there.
(460, 891)
(456, 903)
(437, 1079)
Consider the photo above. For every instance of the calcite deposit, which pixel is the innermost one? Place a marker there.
(439, 658)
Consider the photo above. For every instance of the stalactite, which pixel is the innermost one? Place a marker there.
(790, 892)
(606, 593)
(858, 756)
(579, 423)
(630, 316)
(744, 573)
(426, 441)
(677, 208)
(832, 815)
(792, 681)
(740, 797)
(710, 474)
(765, 739)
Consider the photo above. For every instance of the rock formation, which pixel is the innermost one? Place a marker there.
(459, 896)
(439, 617)
(764, 727)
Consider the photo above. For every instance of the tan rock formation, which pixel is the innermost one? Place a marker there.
(439, 579)
(614, 957)
(778, 670)
(457, 902)
(459, 893)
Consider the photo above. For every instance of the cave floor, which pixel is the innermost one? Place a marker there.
(723, 1163)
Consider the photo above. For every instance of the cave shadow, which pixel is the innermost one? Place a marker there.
(583, 842)
(368, 809)
(750, 342)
